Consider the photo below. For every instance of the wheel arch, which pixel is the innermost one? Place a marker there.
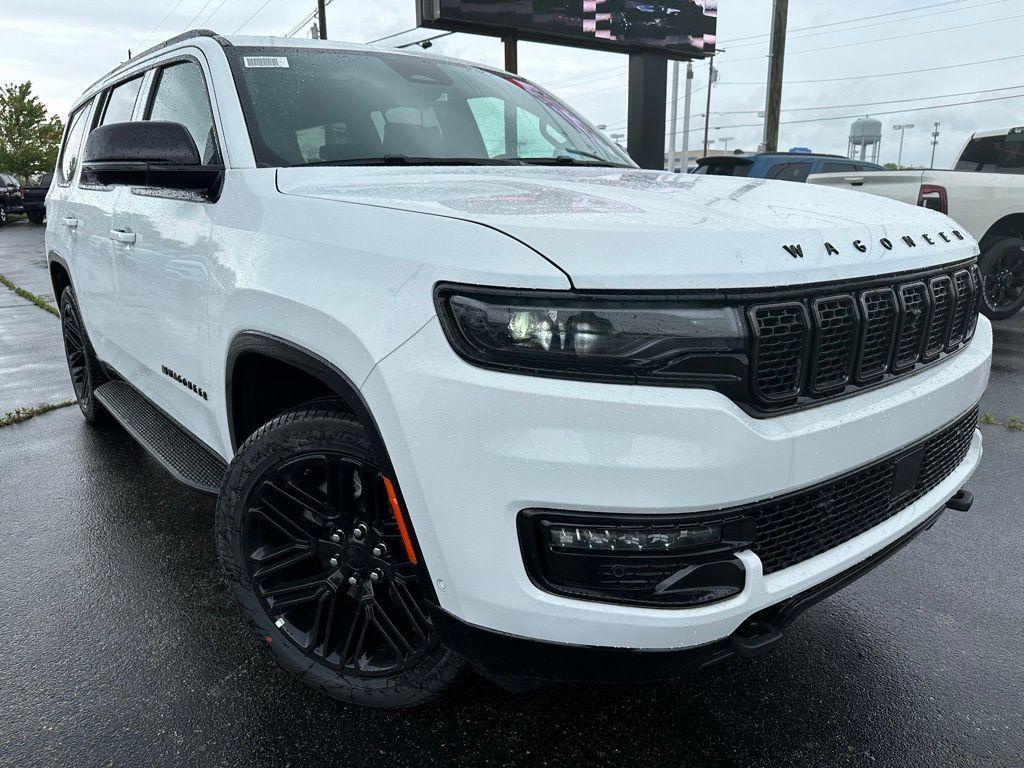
(60, 275)
(258, 345)
(1011, 225)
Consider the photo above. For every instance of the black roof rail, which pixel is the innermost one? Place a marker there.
(224, 42)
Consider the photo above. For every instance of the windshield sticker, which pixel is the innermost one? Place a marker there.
(266, 62)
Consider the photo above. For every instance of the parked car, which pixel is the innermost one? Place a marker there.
(782, 166)
(10, 197)
(985, 195)
(33, 197)
(472, 390)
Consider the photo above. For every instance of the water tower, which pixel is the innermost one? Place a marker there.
(866, 136)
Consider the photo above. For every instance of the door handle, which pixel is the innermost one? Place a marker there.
(121, 236)
(69, 221)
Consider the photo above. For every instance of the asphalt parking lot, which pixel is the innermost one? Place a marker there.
(122, 647)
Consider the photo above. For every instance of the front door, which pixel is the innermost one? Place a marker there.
(162, 267)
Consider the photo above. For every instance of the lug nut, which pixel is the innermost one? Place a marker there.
(360, 531)
(336, 537)
(377, 575)
(353, 580)
(380, 550)
(334, 561)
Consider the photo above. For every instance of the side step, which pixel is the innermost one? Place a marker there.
(180, 454)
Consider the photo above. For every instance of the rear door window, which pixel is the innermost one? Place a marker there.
(832, 166)
(121, 102)
(790, 172)
(68, 163)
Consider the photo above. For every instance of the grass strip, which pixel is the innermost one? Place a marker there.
(39, 302)
(1012, 423)
(19, 415)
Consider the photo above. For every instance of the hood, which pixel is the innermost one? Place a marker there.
(627, 229)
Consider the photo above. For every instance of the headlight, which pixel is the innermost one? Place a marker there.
(636, 338)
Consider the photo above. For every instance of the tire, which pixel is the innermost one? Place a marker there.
(304, 567)
(36, 217)
(1002, 276)
(3, 216)
(83, 366)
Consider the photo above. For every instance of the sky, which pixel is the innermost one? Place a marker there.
(63, 45)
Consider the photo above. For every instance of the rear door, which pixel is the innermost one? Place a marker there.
(163, 274)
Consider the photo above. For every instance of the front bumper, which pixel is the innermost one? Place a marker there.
(473, 447)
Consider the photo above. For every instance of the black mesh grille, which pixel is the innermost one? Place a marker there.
(941, 289)
(781, 332)
(914, 312)
(799, 526)
(879, 308)
(835, 334)
(962, 301)
(827, 343)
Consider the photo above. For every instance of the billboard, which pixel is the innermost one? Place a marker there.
(682, 28)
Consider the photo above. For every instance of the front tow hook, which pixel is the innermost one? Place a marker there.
(754, 638)
(962, 502)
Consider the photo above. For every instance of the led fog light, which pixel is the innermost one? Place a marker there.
(665, 561)
(626, 540)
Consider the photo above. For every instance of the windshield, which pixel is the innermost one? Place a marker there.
(336, 107)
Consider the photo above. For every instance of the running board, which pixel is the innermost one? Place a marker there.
(182, 455)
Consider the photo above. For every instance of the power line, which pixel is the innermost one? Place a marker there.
(305, 20)
(875, 114)
(893, 74)
(851, 21)
(165, 18)
(876, 24)
(254, 15)
(957, 28)
(198, 14)
(215, 11)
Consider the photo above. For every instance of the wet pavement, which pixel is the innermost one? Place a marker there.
(122, 646)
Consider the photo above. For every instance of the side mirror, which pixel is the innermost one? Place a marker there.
(148, 153)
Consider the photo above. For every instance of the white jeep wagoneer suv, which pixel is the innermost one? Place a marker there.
(471, 388)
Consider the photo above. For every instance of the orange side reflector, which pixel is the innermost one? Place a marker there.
(397, 509)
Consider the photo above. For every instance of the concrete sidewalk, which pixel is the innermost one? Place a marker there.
(32, 366)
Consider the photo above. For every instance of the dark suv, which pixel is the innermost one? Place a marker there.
(785, 166)
(10, 197)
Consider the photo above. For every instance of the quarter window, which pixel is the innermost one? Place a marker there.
(181, 97)
(121, 102)
(72, 144)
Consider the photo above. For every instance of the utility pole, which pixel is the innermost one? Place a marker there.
(511, 55)
(901, 129)
(686, 115)
(707, 110)
(672, 121)
(776, 59)
(935, 143)
(321, 18)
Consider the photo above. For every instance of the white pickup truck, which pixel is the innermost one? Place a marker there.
(984, 194)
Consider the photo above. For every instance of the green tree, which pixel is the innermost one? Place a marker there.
(29, 139)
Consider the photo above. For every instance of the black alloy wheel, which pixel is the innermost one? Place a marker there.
(85, 370)
(314, 552)
(1002, 275)
(327, 560)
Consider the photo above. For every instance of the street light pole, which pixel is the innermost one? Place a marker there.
(672, 120)
(686, 115)
(901, 129)
(707, 110)
(725, 140)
